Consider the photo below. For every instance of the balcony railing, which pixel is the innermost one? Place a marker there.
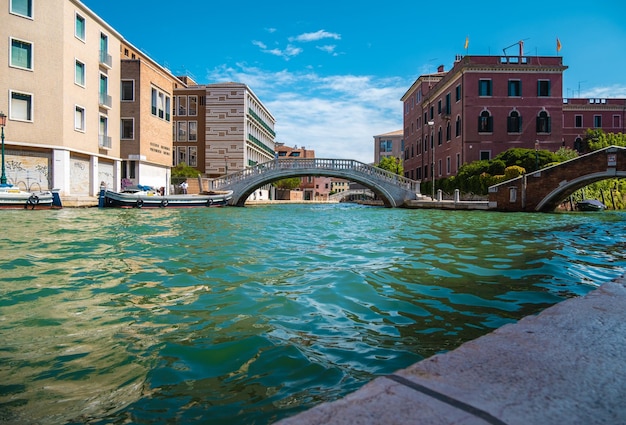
(106, 59)
(104, 142)
(105, 100)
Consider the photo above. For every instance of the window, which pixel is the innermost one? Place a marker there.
(485, 155)
(439, 106)
(182, 105)
(105, 99)
(514, 122)
(448, 107)
(597, 121)
(617, 121)
(543, 88)
(543, 122)
(79, 118)
(193, 156)
(128, 91)
(22, 7)
(181, 155)
(79, 74)
(448, 132)
(128, 128)
(515, 88)
(439, 136)
(193, 131)
(458, 93)
(484, 88)
(80, 27)
(105, 58)
(485, 122)
(448, 165)
(161, 104)
(104, 141)
(182, 131)
(21, 54)
(193, 105)
(457, 130)
(21, 107)
(578, 121)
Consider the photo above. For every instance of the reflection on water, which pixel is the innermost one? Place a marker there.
(246, 315)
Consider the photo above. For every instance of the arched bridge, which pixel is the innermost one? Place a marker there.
(393, 189)
(352, 194)
(545, 189)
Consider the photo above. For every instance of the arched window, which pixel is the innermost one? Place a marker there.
(439, 136)
(514, 122)
(543, 122)
(458, 127)
(485, 122)
(448, 135)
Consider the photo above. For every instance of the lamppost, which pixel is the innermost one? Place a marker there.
(3, 122)
(536, 155)
(431, 123)
(226, 164)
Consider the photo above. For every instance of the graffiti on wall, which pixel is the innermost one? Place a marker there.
(28, 171)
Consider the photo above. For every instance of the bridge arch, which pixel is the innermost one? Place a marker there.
(393, 189)
(545, 189)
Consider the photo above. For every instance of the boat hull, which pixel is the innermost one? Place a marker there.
(110, 199)
(16, 199)
(590, 205)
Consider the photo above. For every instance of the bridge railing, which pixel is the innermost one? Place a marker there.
(314, 164)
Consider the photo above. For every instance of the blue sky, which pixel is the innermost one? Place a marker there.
(332, 73)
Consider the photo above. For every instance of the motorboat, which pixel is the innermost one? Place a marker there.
(590, 205)
(12, 197)
(147, 197)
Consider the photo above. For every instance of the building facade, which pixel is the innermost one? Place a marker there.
(389, 144)
(146, 122)
(225, 125)
(59, 86)
(486, 105)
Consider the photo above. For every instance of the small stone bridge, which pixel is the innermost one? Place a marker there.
(546, 189)
(393, 189)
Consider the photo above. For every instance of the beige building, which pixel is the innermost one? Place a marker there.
(232, 129)
(59, 87)
(147, 99)
(389, 144)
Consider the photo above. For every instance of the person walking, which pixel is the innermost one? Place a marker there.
(183, 187)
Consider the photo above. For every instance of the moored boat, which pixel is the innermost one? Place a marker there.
(12, 197)
(147, 197)
(590, 205)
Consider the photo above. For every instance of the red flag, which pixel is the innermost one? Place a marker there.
(558, 45)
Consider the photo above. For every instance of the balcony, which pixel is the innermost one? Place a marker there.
(104, 142)
(105, 101)
(106, 59)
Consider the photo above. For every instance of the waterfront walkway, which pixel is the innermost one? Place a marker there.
(563, 366)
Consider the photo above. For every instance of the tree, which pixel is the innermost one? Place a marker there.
(287, 184)
(598, 139)
(391, 163)
(182, 170)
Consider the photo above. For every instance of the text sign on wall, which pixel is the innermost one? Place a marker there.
(612, 160)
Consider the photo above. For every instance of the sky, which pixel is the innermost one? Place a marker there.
(332, 73)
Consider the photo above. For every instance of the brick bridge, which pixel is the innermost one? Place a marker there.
(545, 189)
(393, 189)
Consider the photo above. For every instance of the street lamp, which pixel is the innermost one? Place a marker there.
(226, 164)
(431, 123)
(3, 122)
(536, 155)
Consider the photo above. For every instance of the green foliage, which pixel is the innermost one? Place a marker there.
(391, 163)
(182, 170)
(565, 154)
(598, 139)
(611, 192)
(287, 184)
(512, 172)
(528, 159)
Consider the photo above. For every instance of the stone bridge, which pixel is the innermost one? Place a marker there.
(352, 194)
(545, 189)
(394, 190)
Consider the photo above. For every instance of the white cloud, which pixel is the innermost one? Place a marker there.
(330, 49)
(287, 53)
(315, 36)
(337, 116)
(614, 91)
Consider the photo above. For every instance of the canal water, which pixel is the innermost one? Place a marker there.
(247, 315)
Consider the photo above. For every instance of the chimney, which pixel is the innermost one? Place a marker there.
(440, 68)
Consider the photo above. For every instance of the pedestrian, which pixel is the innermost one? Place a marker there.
(183, 187)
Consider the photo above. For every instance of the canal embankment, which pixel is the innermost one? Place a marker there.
(564, 365)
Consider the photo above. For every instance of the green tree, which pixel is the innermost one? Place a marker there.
(391, 163)
(182, 170)
(597, 139)
(287, 184)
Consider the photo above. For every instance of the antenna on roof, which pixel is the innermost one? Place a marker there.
(521, 47)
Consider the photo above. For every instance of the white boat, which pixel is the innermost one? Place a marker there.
(147, 197)
(12, 197)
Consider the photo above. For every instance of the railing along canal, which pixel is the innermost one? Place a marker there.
(345, 167)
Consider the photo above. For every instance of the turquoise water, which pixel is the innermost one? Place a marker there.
(247, 315)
